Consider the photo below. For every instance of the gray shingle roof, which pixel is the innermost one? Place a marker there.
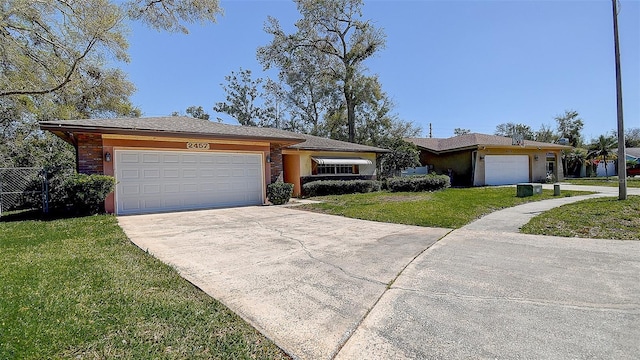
(171, 125)
(474, 140)
(188, 126)
(635, 152)
(319, 143)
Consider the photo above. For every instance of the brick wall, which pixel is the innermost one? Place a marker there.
(90, 154)
(276, 161)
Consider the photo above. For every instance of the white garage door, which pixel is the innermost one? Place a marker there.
(155, 181)
(506, 169)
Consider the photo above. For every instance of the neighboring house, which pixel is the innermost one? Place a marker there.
(479, 159)
(181, 163)
(633, 154)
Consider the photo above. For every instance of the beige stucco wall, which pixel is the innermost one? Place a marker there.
(305, 160)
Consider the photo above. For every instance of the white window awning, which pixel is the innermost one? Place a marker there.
(331, 160)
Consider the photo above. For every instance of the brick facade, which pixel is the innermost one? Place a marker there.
(277, 168)
(90, 154)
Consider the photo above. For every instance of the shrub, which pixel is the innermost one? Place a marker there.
(429, 182)
(340, 187)
(84, 194)
(279, 192)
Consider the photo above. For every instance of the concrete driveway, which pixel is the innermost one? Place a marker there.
(305, 280)
(327, 287)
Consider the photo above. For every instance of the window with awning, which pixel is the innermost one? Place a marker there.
(326, 160)
(325, 165)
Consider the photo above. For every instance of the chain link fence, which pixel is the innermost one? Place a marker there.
(23, 189)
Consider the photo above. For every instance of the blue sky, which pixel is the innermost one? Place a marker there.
(467, 64)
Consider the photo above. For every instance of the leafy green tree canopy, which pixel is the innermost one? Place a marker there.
(46, 43)
(332, 33)
(570, 127)
(461, 131)
(511, 129)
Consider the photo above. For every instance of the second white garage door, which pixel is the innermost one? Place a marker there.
(506, 169)
(155, 181)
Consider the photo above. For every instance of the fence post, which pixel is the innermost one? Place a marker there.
(45, 191)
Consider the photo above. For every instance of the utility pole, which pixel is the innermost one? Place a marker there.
(622, 156)
(430, 131)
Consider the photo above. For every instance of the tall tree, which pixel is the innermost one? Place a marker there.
(309, 86)
(570, 127)
(460, 131)
(545, 134)
(334, 31)
(243, 94)
(631, 137)
(511, 129)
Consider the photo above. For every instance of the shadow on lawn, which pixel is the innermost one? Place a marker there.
(38, 215)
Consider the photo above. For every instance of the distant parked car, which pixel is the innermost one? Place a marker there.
(634, 170)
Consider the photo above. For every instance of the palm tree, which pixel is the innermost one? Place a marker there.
(603, 149)
(575, 159)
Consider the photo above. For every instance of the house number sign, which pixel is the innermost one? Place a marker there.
(198, 145)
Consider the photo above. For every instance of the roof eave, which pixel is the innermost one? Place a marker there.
(378, 151)
(55, 127)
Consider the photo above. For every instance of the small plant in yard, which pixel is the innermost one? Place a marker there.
(279, 192)
(82, 194)
(78, 288)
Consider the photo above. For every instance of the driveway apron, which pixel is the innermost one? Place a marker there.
(303, 279)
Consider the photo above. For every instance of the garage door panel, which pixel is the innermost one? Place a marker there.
(171, 173)
(151, 173)
(130, 189)
(190, 173)
(171, 158)
(130, 174)
(129, 158)
(150, 158)
(151, 189)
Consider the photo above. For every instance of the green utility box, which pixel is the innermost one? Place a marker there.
(529, 189)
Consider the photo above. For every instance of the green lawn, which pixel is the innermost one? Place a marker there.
(77, 288)
(600, 181)
(605, 218)
(450, 208)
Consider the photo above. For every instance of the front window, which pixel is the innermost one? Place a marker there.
(323, 169)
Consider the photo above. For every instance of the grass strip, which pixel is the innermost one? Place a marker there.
(450, 208)
(603, 218)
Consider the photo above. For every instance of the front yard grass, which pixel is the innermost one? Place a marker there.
(604, 218)
(633, 182)
(450, 208)
(78, 288)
